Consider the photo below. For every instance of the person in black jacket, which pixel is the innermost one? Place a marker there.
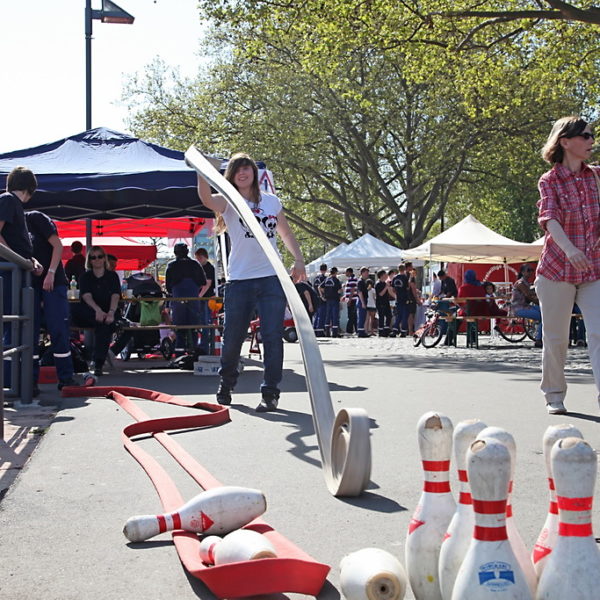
(184, 278)
(98, 308)
(50, 302)
(331, 290)
(449, 289)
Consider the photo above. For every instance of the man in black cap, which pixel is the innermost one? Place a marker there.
(183, 279)
(321, 308)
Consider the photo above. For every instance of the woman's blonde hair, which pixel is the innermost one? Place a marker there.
(567, 127)
(238, 160)
(95, 250)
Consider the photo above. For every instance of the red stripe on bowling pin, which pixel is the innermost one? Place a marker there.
(436, 487)
(436, 465)
(574, 505)
(490, 534)
(573, 530)
(490, 507)
(174, 518)
(553, 506)
(465, 498)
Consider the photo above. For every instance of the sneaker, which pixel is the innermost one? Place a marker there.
(68, 383)
(224, 395)
(98, 372)
(538, 344)
(268, 403)
(556, 408)
(581, 343)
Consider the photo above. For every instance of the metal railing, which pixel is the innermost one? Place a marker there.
(16, 344)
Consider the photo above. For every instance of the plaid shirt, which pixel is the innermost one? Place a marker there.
(572, 200)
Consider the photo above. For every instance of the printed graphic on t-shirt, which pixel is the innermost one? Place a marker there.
(267, 222)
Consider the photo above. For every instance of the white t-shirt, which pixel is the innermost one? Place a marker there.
(371, 298)
(247, 259)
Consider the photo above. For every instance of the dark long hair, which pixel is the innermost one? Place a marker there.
(567, 127)
(238, 160)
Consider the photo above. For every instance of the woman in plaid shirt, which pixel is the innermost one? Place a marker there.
(569, 268)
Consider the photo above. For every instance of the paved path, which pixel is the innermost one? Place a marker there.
(61, 520)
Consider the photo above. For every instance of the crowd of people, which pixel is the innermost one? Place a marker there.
(387, 303)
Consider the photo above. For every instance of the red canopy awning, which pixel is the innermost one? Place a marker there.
(176, 227)
(131, 254)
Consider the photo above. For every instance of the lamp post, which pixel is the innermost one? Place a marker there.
(109, 13)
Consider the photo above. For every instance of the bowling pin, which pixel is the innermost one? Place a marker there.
(490, 569)
(573, 568)
(237, 546)
(549, 532)
(516, 541)
(460, 531)
(207, 548)
(372, 574)
(219, 510)
(435, 509)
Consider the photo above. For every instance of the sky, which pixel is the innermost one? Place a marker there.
(42, 50)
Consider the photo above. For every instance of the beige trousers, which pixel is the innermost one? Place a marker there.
(556, 301)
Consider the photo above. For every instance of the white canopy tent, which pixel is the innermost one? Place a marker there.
(313, 266)
(469, 241)
(366, 251)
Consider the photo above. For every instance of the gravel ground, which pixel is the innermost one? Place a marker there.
(492, 352)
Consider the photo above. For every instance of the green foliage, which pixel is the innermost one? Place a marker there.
(379, 116)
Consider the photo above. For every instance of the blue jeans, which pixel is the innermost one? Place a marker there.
(7, 299)
(332, 318)
(320, 316)
(401, 320)
(185, 313)
(242, 298)
(534, 313)
(361, 316)
(56, 316)
(206, 335)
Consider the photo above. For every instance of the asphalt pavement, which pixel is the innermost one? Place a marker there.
(61, 519)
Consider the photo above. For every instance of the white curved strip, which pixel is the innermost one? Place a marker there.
(344, 442)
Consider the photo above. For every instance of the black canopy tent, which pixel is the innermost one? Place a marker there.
(104, 174)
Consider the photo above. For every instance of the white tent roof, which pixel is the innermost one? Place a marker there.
(313, 266)
(367, 251)
(472, 242)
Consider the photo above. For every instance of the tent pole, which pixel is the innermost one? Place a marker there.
(88, 233)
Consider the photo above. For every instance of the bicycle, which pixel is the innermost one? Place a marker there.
(515, 329)
(432, 332)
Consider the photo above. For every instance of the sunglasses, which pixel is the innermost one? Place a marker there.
(96, 256)
(586, 135)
